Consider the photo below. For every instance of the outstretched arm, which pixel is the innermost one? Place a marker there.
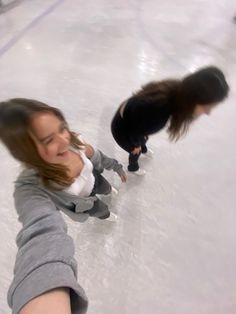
(56, 301)
(101, 161)
(45, 268)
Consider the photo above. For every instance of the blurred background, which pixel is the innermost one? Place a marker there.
(172, 250)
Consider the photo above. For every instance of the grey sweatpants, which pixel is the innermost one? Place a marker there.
(101, 186)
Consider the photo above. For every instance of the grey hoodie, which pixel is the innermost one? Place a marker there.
(45, 258)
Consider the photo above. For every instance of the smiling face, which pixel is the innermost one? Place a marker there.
(51, 137)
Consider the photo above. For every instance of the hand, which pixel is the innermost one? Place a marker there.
(136, 150)
(123, 178)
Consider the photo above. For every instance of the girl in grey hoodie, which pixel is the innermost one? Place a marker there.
(61, 173)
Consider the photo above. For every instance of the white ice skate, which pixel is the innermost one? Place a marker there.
(139, 172)
(114, 191)
(149, 153)
(112, 218)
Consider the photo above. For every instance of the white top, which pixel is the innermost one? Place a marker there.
(84, 183)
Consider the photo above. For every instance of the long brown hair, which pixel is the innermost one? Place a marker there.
(205, 86)
(15, 115)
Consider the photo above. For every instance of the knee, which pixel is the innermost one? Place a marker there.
(105, 216)
(107, 190)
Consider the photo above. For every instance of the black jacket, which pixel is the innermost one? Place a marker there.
(144, 117)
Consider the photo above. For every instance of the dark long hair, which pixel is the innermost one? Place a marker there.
(15, 115)
(204, 87)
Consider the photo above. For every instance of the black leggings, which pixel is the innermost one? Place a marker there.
(121, 136)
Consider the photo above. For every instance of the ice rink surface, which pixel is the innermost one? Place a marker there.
(172, 250)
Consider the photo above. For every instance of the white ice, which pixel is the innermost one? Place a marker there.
(172, 250)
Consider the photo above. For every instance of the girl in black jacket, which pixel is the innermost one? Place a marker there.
(177, 101)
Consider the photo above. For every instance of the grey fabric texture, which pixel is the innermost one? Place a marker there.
(101, 162)
(45, 258)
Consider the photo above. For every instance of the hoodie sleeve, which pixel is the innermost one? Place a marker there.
(45, 258)
(100, 162)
